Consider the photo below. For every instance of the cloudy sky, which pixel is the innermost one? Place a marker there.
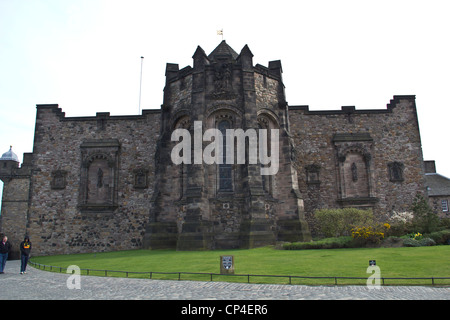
(85, 55)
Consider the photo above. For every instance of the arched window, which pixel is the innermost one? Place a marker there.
(182, 123)
(267, 180)
(225, 170)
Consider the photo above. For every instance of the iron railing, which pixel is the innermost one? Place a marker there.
(210, 275)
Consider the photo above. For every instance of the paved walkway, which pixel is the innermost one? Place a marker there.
(44, 285)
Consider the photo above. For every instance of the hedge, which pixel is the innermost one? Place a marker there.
(339, 222)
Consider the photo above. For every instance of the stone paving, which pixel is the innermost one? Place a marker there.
(44, 285)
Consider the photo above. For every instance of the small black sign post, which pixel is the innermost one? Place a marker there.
(372, 263)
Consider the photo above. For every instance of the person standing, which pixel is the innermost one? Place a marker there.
(5, 247)
(25, 249)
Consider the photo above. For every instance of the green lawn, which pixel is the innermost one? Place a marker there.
(393, 262)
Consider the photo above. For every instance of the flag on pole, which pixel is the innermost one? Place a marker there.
(220, 33)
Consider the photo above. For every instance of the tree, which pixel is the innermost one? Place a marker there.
(425, 220)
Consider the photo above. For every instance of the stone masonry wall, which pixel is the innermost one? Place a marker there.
(14, 212)
(392, 135)
(57, 224)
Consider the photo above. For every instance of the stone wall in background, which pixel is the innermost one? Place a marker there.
(363, 158)
(92, 181)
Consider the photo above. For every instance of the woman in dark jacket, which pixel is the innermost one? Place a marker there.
(25, 249)
(5, 247)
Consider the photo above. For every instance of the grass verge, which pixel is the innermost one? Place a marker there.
(403, 262)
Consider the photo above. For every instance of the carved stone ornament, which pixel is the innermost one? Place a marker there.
(395, 171)
(312, 174)
(58, 179)
(140, 178)
(223, 87)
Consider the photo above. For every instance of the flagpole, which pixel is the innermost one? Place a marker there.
(140, 86)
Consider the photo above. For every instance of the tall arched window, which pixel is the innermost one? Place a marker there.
(267, 180)
(225, 170)
(182, 123)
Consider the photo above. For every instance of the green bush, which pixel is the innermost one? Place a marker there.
(339, 222)
(424, 242)
(440, 237)
(401, 228)
(427, 242)
(327, 243)
(444, 223)
(411, 243)
(370, 234)
(425, 220)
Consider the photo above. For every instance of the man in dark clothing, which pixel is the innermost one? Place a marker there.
(5, 247)
(25, 249)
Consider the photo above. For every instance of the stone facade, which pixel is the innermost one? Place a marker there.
(438, 190)
(108, 182)
(66, 211)
(364, 158)
(204, 206)
(15, 200)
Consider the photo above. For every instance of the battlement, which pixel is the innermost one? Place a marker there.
(57, 111)
(352, 109)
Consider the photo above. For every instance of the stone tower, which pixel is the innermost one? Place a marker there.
(206, 206)
(16, 180)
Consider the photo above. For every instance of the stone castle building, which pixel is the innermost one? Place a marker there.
(105, 182)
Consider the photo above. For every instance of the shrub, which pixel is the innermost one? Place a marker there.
(401, 223)
(370, 234)
(327, 243)
(415, 236)
(338, 222)
(401, 216)
(425, 220)
(411, 243)
(440, 237)
(424, 242)
(444, 223)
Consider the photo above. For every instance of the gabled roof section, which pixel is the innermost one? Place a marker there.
(222, 50)
(437, 185)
